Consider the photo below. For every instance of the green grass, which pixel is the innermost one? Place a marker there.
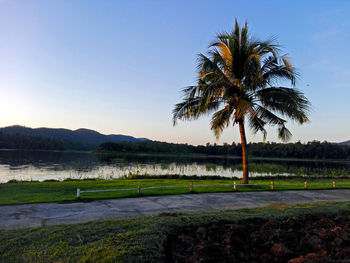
(41, 192)
(275, 169)
(132, 240)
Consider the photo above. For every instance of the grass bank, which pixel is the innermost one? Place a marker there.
(41, 192)
(133, 240)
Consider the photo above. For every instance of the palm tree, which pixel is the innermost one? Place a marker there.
(238, 83)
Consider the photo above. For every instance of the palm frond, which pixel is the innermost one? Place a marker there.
(284, 134)
(221, 120)
(225, 52)
(289, 102)
(275, 69)
(192, 109)
(256, 123)
(268, 116)
(210, 71)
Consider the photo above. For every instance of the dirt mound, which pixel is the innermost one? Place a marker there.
(307, 239)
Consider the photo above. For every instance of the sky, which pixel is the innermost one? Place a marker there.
(118, 66)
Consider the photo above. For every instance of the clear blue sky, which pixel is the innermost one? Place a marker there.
(118, 66)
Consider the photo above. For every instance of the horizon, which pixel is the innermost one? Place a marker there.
(118, 68)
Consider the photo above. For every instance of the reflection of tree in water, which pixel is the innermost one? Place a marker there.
(166, 159)
(257, 165)
(79, 163)
(50, 159)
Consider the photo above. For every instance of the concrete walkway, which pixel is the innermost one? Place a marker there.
(32, 215)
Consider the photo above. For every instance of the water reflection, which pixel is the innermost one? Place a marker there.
(47, 165)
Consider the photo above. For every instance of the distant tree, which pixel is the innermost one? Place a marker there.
(314, 149)
(238, 82)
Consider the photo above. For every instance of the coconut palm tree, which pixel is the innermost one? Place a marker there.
(238, 83)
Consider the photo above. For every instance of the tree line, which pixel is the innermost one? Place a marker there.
(314, 149)
(18, 141)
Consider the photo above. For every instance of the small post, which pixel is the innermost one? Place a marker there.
(78, 193)
(305, 185)
(191, 187)
(139, 190)
(234, 186)
(333, 184)
(272, 185)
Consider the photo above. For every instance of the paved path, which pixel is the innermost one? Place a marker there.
(31, 215)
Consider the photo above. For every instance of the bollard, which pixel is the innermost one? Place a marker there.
(305, 185)
(234, 186)
(272, 185)
(139, 190)
(333, 184)
(78, 193)
(191, 188)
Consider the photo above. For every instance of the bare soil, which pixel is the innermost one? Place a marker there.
(313, 238)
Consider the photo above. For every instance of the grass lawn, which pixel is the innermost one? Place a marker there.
(40, 192)
(132, 240)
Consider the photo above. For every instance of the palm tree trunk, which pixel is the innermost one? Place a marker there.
(245, 179)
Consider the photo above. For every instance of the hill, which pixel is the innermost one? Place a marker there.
(345, 143)
(82, 139)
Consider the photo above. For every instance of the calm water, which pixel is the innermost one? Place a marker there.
(39, 165)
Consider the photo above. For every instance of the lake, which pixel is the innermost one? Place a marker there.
(52, 165)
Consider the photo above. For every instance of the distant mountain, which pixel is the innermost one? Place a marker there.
(81, 136)
(345, 143)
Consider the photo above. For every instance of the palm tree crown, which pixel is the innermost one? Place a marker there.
(237, 82)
